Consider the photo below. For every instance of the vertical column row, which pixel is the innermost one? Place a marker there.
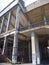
(7, 28)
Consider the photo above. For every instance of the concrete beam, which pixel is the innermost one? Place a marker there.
(10, 32)
(9, 21)
(9, 7)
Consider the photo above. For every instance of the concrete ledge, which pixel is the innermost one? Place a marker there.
(36, 4)
(9, 7)
(24, 31)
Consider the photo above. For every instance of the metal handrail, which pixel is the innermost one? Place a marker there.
(37, 24)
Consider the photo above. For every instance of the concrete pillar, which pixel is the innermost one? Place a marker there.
(2, 24)
(35, 49)
(29, 52)
(15, 44)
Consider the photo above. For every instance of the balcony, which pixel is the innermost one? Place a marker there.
(34, 25)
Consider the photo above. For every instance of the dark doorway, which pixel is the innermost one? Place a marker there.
(43, 44)
(23, 55)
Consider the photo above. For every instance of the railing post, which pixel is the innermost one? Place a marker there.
(45, 22)
(29, 25)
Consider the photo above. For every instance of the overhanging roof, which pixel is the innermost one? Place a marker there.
(11, 6)
(28, 8)
(36, 4)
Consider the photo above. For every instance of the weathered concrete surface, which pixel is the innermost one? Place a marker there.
(36, 4)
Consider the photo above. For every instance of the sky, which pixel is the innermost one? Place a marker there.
(4, 3)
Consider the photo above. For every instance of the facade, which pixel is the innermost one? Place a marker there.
(24, 32)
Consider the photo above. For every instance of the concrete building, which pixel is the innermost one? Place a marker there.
(24, 32)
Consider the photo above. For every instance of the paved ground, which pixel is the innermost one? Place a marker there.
(19, 64)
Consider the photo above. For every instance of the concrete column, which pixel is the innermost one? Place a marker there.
(9, 21)
(15, 44)
(5, 39)
(15, 48)
(29, 52)
(2, 24)
(35, 49)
